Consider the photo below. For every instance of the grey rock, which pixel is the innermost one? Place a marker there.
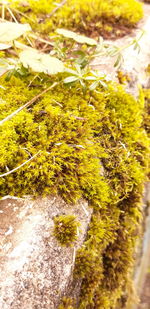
(35, 270)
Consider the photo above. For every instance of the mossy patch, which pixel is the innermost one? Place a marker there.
(66, 229)
(90, 17)
(67, 303)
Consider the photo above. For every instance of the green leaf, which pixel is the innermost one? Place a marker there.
(70, 79)
(71, 71)
(137, 47)
(40, 62)
(82, 83)
(90, 78)
(94, 85)
(4, 46)
(5, 66)
(10, 31)
(103, 83)
(118, 61)
(76, 37)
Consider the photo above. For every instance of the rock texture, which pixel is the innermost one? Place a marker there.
(35, 270)
(134, 63)
(142, 273)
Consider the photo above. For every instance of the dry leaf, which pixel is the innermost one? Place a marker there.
(10, 31)
(40, 62)
(82, 39)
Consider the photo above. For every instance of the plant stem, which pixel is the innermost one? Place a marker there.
(16, 168)
(27, 104)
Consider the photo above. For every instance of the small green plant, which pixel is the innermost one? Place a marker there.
(84, 75)
(66, 229)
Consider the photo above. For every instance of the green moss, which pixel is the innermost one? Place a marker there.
(146, 120)
(82, 15)
(66, 229)
(66, 144)
(148, 69)
(123, 78)
(93, 145)
(67, 303)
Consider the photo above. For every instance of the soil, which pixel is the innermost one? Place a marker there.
(119, 30)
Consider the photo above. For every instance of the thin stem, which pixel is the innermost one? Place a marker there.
(57, 8)
(12, 15)
(25, 15)
(18, 167)
(40, 39)
(27, 104)
(3, 11)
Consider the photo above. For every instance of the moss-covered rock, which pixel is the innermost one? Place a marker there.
(92, 144)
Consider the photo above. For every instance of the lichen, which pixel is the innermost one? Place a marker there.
(92, 145)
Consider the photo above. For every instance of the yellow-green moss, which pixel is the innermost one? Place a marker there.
(88, 16)
(66, 229)
(93, 145)
(67, 303)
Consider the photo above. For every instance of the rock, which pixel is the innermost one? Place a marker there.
(134, 63)
(142, 276)
(35, 270)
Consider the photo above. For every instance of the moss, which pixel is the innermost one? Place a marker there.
(66, 144)
(148, 69)
(83, 16)
(146, 116)
(146, 120)
(93, 145)
(123, 78)
(66, 229)
(67, 303)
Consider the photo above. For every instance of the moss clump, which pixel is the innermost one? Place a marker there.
(148, 69)
(146, 116)
(67, 303)
(92, 145)
(68, 162)
(98, 16)
(66, 229)
(146, 120)
(123, 78)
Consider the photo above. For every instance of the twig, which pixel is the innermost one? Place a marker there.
(3, 11)
(12, 15)
(27, 104)
(15, 169)
(40, 39)
(21, 13)
(57, 8)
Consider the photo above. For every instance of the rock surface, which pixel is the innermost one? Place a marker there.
(134, 63)
(35, 270)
